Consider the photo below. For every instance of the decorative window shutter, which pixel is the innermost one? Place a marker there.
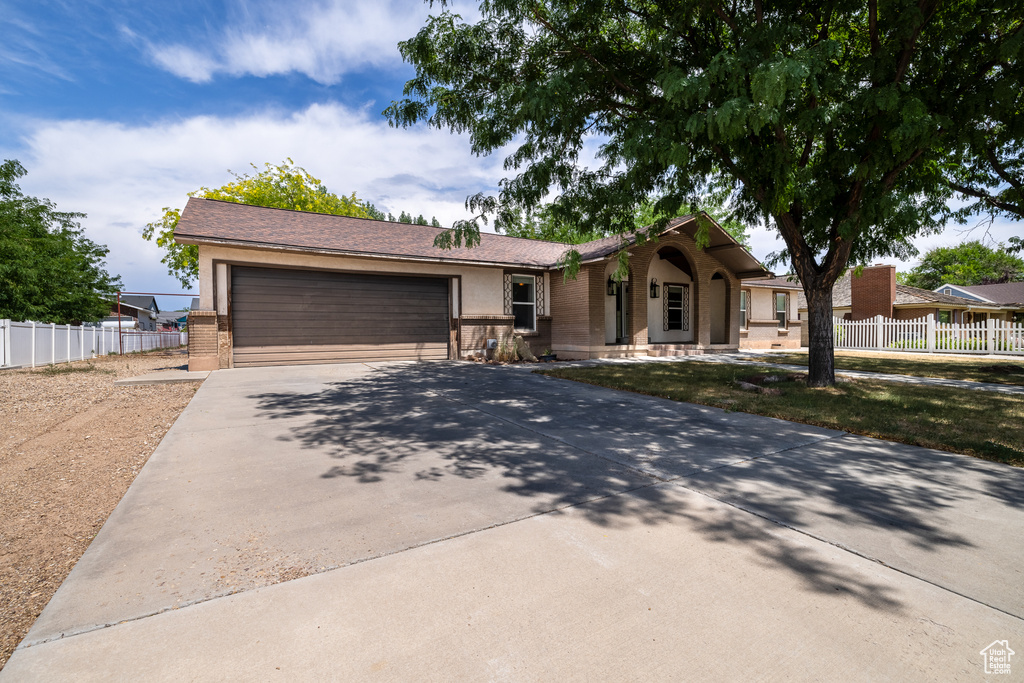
(508, 293)
(686, 308)
(539, 294)
(664, 310)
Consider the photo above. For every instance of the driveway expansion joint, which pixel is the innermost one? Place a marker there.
(71, 633)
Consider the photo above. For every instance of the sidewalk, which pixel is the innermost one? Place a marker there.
(743, 358)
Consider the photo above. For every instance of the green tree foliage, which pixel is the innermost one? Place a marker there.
(987, 170)
(541, 224)
(832, 122)
(49, 271)
(970, 263)
(284, 186)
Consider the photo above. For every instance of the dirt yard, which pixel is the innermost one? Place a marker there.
(70, 445)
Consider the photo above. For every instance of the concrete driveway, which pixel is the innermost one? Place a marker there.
(455, 521)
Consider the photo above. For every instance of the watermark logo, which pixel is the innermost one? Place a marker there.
(997, 657)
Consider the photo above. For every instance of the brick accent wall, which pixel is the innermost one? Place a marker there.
(578, 306)
(570, 314)
(475, 330)
(705, 265)
(202, 341)
(873, 293)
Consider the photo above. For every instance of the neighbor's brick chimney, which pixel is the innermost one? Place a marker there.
(873, 293)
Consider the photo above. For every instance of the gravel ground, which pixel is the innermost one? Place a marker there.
(70, 445)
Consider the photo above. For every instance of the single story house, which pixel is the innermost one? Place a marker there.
(1008, 296)
(171, 320)
(875, 292)
(281, 287)
(138, 312)
(769, 315)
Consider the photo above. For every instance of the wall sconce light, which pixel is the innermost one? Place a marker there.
(655, 288)
(611, 287)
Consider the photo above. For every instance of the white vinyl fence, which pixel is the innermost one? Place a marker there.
(28, 344)
(926, 335)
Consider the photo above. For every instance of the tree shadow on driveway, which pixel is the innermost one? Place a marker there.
(560, 444)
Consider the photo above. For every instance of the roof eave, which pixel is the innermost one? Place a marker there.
(243, 244)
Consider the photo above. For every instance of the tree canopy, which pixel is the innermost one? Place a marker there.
(542, 223)
(49, 271)
(970, 263)
(403, 217)
(835, 123)
(281, 186)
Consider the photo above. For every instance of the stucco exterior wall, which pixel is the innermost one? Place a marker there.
(666, 273)
(763, 331)
(482, 287)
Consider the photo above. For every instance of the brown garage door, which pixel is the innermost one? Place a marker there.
(286, 317)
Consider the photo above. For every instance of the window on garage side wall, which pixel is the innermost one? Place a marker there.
(524, 302)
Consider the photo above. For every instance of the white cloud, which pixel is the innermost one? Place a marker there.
(122, 175)
(322, 40)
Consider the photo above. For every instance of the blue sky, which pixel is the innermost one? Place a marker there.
(118, 109)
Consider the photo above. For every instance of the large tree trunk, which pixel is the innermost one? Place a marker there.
(817, 282)
(821, 370)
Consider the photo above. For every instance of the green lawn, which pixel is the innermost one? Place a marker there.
(979, 423)
(975, 368)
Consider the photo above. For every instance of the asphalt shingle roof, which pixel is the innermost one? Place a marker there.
(141, 302)
(1003, 293)
(784, 282)
(213, 221)
(905, 296)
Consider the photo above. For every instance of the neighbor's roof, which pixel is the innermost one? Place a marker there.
(905, 296)
(141, 302)
(1003, 293)
(784, 282)
(209, 221)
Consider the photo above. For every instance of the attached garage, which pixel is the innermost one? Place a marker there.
(286, 317)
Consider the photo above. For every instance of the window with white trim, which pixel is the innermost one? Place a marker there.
(744, 303)
(524, 302)
(781, 308)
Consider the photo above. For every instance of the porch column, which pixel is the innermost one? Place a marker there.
(639, 296)
(702, 300)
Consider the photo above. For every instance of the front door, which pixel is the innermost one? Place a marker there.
(622, 313)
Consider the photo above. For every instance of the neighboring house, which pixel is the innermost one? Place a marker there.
(171, 320)
(141, 310)
(875, 292)
(769, 315)
(281, 287)
(1008, 296)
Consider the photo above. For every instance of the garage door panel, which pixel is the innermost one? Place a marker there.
(290, 355)
(282, 316)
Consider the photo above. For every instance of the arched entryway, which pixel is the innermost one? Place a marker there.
(672, 316)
